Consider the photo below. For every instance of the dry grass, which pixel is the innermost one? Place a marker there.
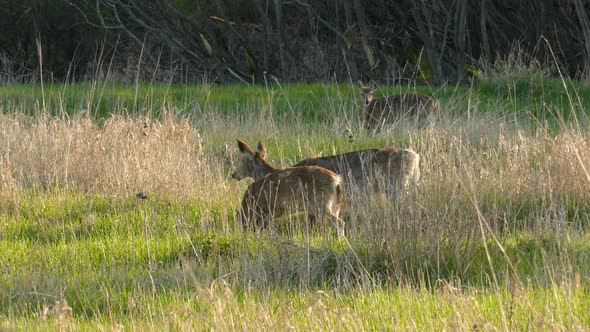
(466, 164)
(121, 157)
(485, 180)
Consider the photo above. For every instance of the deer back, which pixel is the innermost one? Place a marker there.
(393, 108)
(365, 167)
(355, 167)
(343, 164)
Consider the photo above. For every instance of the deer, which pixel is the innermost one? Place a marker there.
(277, 192)
(377, 112)
(388, 170)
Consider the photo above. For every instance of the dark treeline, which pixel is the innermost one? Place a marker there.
(295, 40)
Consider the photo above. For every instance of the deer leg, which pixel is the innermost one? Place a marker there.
(338, 223)
(312, 221)
(260, 219)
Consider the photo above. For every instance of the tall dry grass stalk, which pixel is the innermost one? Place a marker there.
(488, 157)
(482, 177)
(120, 157)
(508, 173)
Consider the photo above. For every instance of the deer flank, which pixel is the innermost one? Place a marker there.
(377, 112)
(383, 170)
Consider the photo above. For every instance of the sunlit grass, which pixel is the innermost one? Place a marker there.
(495, 238)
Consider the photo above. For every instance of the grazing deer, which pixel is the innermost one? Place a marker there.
(384, 170)
(277, 192)
(379, 111)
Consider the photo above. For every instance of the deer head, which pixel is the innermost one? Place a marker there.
(251, 163)
(367, 93)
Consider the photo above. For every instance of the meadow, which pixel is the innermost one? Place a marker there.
(117, 210)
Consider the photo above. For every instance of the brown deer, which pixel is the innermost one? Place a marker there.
(276, 192)
(383, 170)
(377, 112)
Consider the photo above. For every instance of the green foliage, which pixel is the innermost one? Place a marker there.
(537, 98)
(85, 246)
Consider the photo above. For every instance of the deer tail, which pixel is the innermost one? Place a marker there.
(339, 192)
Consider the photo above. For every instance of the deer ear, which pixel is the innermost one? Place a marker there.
(262, 149)
(373, 86)
(244, 148)
(360, 84)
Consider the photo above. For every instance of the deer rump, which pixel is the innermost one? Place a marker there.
(315, 190)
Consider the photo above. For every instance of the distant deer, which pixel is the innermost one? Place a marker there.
(277, 192)
(386, 170)
(380, 111)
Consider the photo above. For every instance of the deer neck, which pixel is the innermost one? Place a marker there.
(366, 103)
(263, 169)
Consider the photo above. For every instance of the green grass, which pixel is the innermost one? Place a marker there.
(101, 254)
(497, 237)
(534, 99)
(389, 309)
